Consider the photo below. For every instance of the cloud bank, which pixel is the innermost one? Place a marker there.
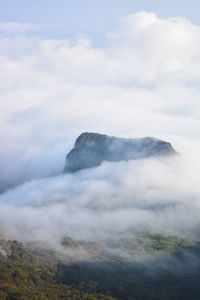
(144, 82)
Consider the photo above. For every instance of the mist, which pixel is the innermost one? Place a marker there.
(157, 195)
(144, 82)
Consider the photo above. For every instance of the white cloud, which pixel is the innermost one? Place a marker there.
(144, 82)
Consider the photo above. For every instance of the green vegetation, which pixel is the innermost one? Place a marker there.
(69, 242)
(153, 244)
(27, 274)
(156, 267)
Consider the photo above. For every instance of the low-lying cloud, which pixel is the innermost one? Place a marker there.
(145, 195)
(144, 82)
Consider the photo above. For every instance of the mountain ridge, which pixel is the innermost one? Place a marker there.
(91, 149)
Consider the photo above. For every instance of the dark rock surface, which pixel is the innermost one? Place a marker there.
(91, 149)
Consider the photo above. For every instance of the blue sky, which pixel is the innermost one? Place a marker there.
(64, 18)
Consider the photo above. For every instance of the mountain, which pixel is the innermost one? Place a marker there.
(91, 149)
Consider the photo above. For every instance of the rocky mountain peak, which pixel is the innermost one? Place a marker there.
(91, 149)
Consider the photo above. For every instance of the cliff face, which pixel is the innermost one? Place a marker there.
(91, 149)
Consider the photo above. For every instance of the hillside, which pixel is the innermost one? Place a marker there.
(170, 270)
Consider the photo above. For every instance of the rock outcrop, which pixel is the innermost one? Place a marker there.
(91, 149)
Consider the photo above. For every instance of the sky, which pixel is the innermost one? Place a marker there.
(66, 18)
(125, 69)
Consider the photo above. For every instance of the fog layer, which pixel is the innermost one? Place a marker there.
(144, 82)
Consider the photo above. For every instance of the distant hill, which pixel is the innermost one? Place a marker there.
(91, 149)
